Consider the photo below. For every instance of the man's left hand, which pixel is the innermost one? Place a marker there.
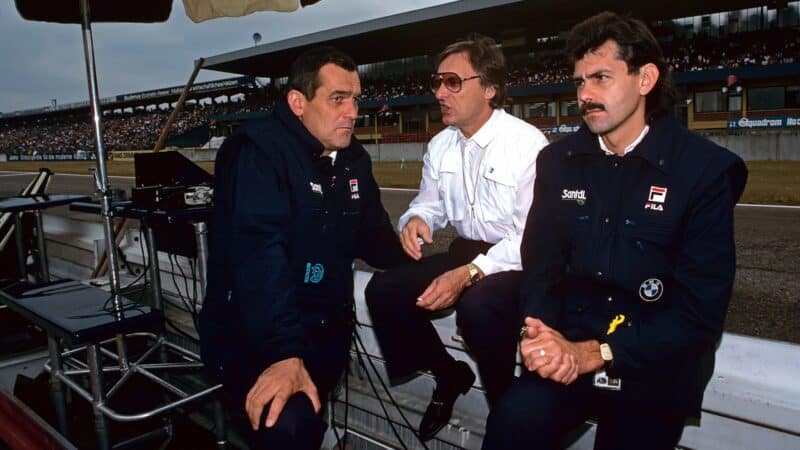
(548, 353)
(444, 290)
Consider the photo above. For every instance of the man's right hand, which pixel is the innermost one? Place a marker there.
(277, 384)
(546, 352)
(415, 228)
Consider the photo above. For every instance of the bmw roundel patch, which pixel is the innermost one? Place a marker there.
(651, 289)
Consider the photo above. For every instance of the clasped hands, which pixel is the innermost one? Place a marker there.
(548, 353)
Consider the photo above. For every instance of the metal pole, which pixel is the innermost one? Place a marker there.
(155, 271)
(56, 389)
(97, 386)
(104, 188)
(155, 290)
(122, 348)
(201, 238)
(43, 264)
(22, 255)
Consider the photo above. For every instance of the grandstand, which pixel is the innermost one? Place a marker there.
(132, 121)
(732, 60)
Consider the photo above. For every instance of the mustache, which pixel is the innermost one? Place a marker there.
(584, 108)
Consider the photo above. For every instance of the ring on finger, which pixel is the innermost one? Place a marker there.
(542, 353)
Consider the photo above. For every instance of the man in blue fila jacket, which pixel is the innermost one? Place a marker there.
(628, 258)
(295, 203)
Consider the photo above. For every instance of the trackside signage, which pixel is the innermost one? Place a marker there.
(209, 86)
(765, 122)
(77, 156)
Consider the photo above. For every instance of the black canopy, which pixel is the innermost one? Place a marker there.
(68, 11)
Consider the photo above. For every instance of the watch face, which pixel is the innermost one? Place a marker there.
(605, 352)
(474, 274)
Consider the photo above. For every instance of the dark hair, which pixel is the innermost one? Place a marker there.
(304, 74)
(487, 59)
(637, 47)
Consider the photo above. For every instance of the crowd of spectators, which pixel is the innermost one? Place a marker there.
(121, 131)
(386, 88)
(140, 129)
(750, 49)
(699, 52)
(550, 68)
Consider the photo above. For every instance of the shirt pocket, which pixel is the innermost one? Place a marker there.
(650, 245)
(451, 186)
(497, 194)
(655, 234)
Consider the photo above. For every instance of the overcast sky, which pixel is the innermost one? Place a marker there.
(43, 61)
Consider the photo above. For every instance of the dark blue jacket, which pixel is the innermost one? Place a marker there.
(283, 240)
(648, 236)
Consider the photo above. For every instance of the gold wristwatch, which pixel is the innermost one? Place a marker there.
(474, 273)
(607, 355)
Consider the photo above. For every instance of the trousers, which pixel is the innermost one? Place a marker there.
(536, 414)
(298, 426)
(486, 314)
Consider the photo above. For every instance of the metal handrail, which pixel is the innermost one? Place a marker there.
(192, 360)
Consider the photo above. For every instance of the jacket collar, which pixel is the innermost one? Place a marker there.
(296, 127)
(655, 148)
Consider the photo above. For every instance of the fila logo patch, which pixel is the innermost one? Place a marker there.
(657, 194)
(354, 189)
(576, 195)
(655, 201)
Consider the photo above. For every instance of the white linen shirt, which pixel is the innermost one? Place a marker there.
(502, 156)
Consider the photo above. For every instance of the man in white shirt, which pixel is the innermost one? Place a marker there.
(478, 176)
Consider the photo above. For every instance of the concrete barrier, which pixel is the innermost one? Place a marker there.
(407, 151)
(783, 145)
(199, 154)
(761, 146)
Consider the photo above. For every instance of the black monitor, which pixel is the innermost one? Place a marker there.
(168, 168)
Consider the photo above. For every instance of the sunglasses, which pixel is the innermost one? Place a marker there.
(451, 81)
